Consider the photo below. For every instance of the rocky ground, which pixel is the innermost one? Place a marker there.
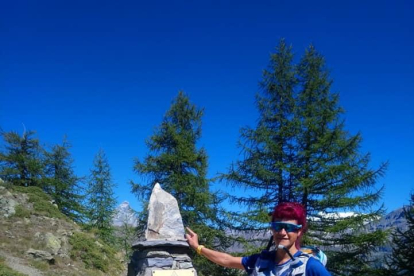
(36, 239)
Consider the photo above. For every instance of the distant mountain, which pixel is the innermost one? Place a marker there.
(394, 220)
(124, 214)
(391, 221)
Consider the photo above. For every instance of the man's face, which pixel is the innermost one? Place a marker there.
(285, 237)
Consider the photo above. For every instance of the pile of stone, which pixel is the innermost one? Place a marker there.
(164, 246)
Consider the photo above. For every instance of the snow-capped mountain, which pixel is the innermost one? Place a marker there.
(124, 214)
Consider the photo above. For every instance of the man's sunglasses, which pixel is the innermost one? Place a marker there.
(289, 227)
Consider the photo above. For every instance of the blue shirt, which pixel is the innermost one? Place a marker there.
(313, 266)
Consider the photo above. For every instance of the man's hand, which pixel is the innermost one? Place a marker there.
(192, 238)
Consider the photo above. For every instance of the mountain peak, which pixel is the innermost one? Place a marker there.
(124, 214)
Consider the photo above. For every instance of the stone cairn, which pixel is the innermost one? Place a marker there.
(164, 246)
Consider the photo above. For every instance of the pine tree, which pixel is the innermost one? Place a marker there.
(300, 152)
(333, 175)
(21, 159)
(180, 167)
(101, 199)
(401, 261)
(268, 148)
(61, 182)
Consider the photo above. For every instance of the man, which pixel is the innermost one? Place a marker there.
(288, 226)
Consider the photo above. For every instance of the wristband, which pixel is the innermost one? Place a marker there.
(199, 249)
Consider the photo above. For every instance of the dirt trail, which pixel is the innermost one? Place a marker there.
(17, 265)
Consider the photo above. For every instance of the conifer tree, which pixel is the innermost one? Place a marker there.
(101, 199)
(268, 148)
(333, 175)
(401, 260)
(61, 182)
(180, 167)
(21, 159)
(300, 151)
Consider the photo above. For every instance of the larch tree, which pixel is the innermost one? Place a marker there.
(21, 159)
(300, 151)
(333, 175)
(61, 182)
(101, 198)
(268, 148)
(180, 166)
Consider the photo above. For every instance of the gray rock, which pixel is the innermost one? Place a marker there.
(160, 243)
(159, 262)
(41, 255)
(182, 258)
(164, 218)
(160, 254)
(53, 244)
(186, 265)
(164, 246)
(7, 206)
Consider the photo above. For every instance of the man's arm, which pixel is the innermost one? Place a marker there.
(217, 257)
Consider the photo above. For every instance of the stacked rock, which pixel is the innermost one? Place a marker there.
(164, 246)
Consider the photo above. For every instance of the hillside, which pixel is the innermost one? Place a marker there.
(37, 239)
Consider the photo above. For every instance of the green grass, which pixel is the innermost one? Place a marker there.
(40, 265)
(7, 271)
(21, 212)
(41, 202)
(102, 257)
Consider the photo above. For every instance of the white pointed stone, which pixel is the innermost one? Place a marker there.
(164, 218)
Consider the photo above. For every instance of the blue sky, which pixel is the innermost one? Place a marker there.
(105, 72)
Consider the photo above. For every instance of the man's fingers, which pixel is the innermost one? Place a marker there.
(190, 231)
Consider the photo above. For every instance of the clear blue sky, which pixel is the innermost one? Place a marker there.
(105, 72)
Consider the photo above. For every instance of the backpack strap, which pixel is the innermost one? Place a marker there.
(298, 266)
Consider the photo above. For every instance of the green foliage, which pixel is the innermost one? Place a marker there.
(401, 261)
(41, 203)
(299, 151)
(126, 234)
(180, 167)
(7, 271)
(21, 160)
(101, 199)
(94, 253)
(33, 192)
(62, 183)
